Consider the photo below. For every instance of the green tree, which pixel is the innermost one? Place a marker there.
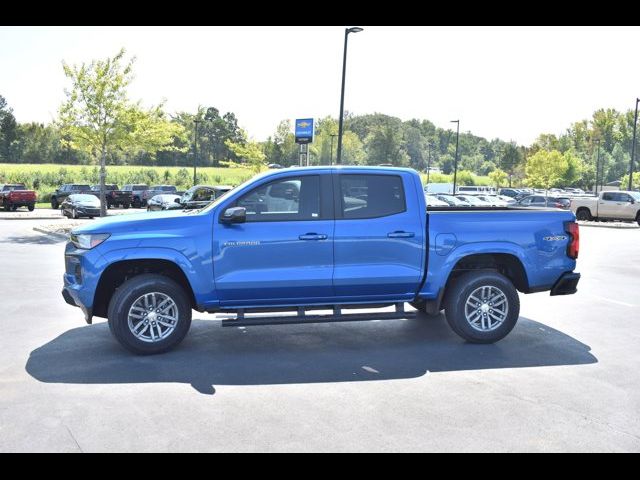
(545, 168)
(248, 151)
(498, 177)
(8, 130)
(98, 118)
(95, 112)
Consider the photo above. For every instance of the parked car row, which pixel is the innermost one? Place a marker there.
(196, 197)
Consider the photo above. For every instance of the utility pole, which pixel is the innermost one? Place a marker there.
(332, 135)
(195, 151)
(455, 160)
(347, 31)
(597, 166)
(633, 146)
(429, 147)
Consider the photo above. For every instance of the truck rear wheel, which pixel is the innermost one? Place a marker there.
(482, 306)
(54, 203)
(149, 314)
(583, 214)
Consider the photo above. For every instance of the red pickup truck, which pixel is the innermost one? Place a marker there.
(16, 195)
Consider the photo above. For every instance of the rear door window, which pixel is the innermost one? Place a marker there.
(371, 196)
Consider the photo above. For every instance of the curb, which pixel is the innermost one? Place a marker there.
(59, 236)
(32, 218)
(617, 226)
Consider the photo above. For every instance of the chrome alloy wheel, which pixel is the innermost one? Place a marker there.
(153, 317)
(486, 308)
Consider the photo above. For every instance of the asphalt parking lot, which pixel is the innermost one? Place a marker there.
(566, 379)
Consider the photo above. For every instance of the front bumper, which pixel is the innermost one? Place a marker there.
(567, 284)
(72, 298)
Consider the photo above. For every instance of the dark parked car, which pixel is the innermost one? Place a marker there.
(114, 196)
(65, 190)
(202, 195)
(137, 193)
(81, 205)
(540, 201)
(510, 192)
(163, 202)
(158, 190)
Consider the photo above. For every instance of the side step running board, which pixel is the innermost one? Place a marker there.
(302, 318)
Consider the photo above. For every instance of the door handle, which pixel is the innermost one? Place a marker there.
(401, 235)
(313, 236)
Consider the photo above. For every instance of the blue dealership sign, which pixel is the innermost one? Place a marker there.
(304, 130)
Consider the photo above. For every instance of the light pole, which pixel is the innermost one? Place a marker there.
(633, 146)
(347, 31)
(195, 150)
(332, 135)
(597, 165)
(429, 147)
(455, 159)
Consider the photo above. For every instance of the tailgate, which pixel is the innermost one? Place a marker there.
(22, 196)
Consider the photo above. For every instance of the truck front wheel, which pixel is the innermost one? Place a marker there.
(149, 314)
(482, 306)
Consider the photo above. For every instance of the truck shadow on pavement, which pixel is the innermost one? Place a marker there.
(339, 352)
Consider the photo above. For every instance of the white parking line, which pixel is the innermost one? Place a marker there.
(617, 302)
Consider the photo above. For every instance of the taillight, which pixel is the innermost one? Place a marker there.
(573, 230)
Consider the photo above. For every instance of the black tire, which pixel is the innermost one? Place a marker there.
(125, 206)
(54, 204)
(31, 208)
(456, 302)
(583, 214)
(136, 204)
(638, 219)
(7, 207)
(126, 296)
(14, 208)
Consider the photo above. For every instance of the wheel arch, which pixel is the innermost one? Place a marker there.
(120, 271)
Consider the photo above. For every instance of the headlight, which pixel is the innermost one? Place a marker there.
(88, 241)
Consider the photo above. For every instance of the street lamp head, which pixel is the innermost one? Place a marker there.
(454, 121)
(354, 29)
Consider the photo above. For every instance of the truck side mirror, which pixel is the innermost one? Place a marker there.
(234, 215)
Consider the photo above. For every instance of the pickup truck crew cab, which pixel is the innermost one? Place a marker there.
(317, 237)
(621, 205)
(61, 194)
(15, 195)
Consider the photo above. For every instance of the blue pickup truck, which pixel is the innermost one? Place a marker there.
(309, 238)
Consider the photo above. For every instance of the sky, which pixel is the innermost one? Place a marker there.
(511, 83)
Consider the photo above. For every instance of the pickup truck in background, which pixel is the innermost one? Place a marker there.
(15, 195)
(137, 192)
(296, 239)
(61, 194)
(622, 205)
(114, 196)
(202, 195)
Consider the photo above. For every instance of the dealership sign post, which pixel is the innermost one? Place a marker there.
(304, 136)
